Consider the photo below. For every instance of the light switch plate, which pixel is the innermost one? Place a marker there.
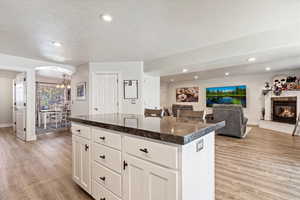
(200, 145)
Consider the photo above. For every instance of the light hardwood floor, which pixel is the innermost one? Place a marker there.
(264, 166)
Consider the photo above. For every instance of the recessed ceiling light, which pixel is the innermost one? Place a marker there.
(185, 70)
(106, 17)
(268, 68)
(55, 43)
(196, 77)
(252, 59)
(226, 73)
(172, 80)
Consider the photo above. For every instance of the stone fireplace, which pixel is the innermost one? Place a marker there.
(284, 109)
(281, 111)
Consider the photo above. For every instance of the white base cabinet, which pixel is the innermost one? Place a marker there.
(118, 166)
(81, 160)
(144, 180)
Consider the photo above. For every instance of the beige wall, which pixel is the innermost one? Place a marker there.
(6, 101)
(80, 107)
(254, 83)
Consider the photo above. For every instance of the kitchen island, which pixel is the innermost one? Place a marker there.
(133, 157)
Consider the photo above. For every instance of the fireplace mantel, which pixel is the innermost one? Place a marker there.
(268, 102)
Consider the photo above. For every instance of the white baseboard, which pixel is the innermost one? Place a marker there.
(277, 126)
(5, 125)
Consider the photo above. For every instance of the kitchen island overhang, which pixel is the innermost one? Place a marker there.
(167, 129)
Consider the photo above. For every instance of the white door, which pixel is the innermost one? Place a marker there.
(14, 106)
(81, 161)
(105, 93)
(20, 106)
(144, 180)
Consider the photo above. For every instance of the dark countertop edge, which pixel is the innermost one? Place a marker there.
(174, 139)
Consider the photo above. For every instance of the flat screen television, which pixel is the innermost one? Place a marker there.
(226, 95)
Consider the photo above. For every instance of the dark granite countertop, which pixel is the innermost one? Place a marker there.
(168, 129)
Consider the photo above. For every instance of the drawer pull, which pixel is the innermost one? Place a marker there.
(78, 130)
(102, 138)
(86, 147)
(102, 157)
(102, 178)
(145, 150)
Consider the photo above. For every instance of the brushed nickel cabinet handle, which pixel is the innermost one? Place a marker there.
(102, 157)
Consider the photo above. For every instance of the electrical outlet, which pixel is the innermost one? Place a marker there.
(200, 145)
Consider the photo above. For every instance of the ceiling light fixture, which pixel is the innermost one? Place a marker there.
(252, 59)
(66, 83)
(55, 68)
(226, 73)
(196, 77)
(172, 80)
(106, 17)
(57, 44)
(268, 68)
(185, 70)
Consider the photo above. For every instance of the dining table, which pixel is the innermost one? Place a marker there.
(43, 115)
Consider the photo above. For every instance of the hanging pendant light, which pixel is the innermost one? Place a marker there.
(65, 83)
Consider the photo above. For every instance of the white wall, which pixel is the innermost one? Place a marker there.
(80, 107)
(151, 91)
(127, 71)
(254, 84)
(20, 64)
(6, 101)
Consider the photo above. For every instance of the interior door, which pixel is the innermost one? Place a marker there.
(105, 93)
(14, 106)
(20, 106)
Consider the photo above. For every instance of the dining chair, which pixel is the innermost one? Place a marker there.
(56, 117)
(153, 112)
(190, 114)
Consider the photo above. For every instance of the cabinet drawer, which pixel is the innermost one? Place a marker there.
(100, 193)
(108, 157)
(107, 138)
(107, 178)
(158, 153)
(81, 130)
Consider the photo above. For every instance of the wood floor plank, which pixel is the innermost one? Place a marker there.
(263, 166)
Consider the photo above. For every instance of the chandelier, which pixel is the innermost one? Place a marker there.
(66, 83)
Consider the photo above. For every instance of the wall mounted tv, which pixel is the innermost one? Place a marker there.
(226, 95)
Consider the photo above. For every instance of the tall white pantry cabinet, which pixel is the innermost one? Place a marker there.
(112, 165)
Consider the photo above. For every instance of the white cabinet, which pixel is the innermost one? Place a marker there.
(81, 160)
(111, 165)
(144, 180)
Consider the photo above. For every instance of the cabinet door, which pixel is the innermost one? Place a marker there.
(162, 183)
(86, 165)
(146, 181)
(134, 179)
(82, 162)
(76, 159)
